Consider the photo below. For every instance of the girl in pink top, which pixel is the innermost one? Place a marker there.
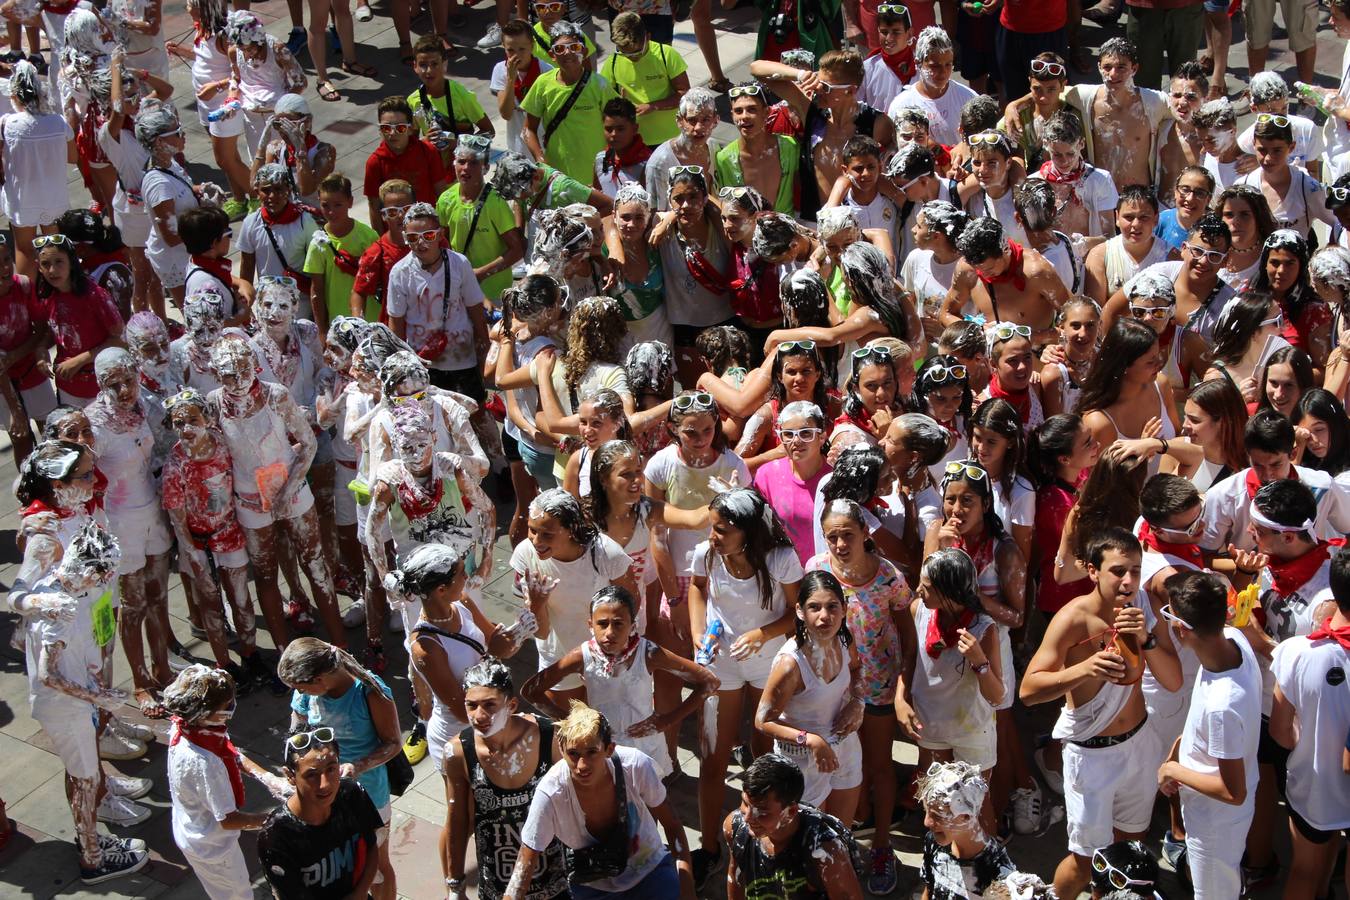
(789, 483)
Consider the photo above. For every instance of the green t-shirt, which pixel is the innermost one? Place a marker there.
(572, 145)
(337, 284)
(495, 220)
(645, 81)
(558, 191)
(467, 110)
(542, 43)
(727, 164)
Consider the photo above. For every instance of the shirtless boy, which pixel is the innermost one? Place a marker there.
(766, 162)
(1006, 282)
(1179, 144)
(1094, 651)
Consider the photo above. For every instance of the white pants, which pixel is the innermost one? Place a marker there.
(224, 876)
(1214, 845)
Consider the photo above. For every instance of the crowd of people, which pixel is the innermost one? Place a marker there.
(918, 399)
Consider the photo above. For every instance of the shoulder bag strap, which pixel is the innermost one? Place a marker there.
(427, 628)
(276, 248)
(566, 108)
(477, 211)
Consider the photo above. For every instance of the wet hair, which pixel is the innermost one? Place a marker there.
(856, 475)
(1200, 599)
(931, 40)
(533, 296)
(27, 89)
(1332, 265)
(1340, 576)
(489, 672)
(742, 197)
(346, 332)
(1049, 441)
(513, 175)
(851, 510)
(1299, 363)
(677, 416)
(1119, 47)
(1109, 496)
(911, 115)
(79, 279)
(980, 113)
(1324, 405)
(923, 385)
(982, 239)
(746, 510)
(695, 179)
(378, 344)
(306, 660)
(1255, 200)
(632, 192)
(1150, 284)
(984, 489)
(51, 460)
(1142, 194)
(1220, 399)
(291, 757)
(650, 367)
(805, 299)
(723, 347)
(853, 403)
(1133, 859)
(836, 220)
(51, 429)
(697, 100)
(860, 146)
(566, 509)
(924, 436)
(1301, 294)
(1000, 417)
(620, 108)
(1002, 144)
(1111, 538)
(804, 409)
(1288, 502)
(83, 227)
(613, 595)
(1270, 130)
(821, 580)
(945, 219)
(952, 574)
(1034, 200)
(964, 338)
(774, 775)
(609, 404)
(564, 28)
(1215, 114)
(1211, 229)
(426, 568)
(595, 332)
(1190, 70)
(774, 234)
(845, 61)
(871, 284)
(1125, 343)
(910, 162)
(602, 462)
(778, 391)
(1239, 323)
(1164, 495)
(583, 724)
(1063, 126)
(197, 692)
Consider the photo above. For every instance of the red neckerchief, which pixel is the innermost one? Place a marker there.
(310, 143)
(938, 638)
(38, 506)
(59, 9)
(415, 501)
(1189, 552)
(1339, 635)
(1014, 271)
(217, 741)
(1054, 176)
(902, 63)
(942, 157)
(220, 269)
(637, 152)
(612, 665)
(288, 215)
(1021, 400)
(1288, 575)
(754, 290)
(981, 553)
(1254, 483)
(862, 420)
(951, 427)
(525, 80)
(150, 384)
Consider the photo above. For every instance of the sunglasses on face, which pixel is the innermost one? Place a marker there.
(1339, 194)
(395, 212)
(1185, 190)
(400, 128)
(1156, 313)
(685, 170)
(746, 90)
(696, 400)
(410, 398)
(793, 345)
(1167, 613)
(1119, 880)
(1006, 331)
(1197, 525)
(1277, 321)
(970, 470)
(569, 49)
(939, 374)
(51, 240)
(1042, 68)
(549, 7)
(1215, 257)
(827, 88)
(427, 236)
(805, 435)
(301, 740)
(1280, 121)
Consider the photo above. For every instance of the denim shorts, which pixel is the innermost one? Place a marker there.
(539, 464)
(661, 883)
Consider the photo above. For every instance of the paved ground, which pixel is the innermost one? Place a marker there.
(40, 861)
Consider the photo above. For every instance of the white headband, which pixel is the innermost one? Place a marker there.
(1255, 515)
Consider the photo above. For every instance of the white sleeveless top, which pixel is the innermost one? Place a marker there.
(813, 708)
(1121, 267)
(626, 699)
(1168, 431)
(445, 722)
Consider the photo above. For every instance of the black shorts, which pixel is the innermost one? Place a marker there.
(1311, 834)
(1270, 753)
(468, 382)
(882, 709)
(510, 448)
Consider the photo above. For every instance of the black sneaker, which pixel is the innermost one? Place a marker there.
(116, 863)
(263, 675)
(705, 864)
(243, 681)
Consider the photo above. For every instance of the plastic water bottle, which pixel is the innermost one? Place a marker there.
(1312, 96)
(229, 109)
(705, 648)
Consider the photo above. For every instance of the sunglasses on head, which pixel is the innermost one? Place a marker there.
(894, 9)
(970, 470)
(992, 138)
(301, 740)
(51, 240)
(1280, 121)
(395, 212)
(395, 128)
(1006, 331)
(939, 374)
(806, 435)
(746, 90)
(1119, 880)
(793, 345)
(685, 170)
(1156, 313)
(863, 353)
(1042, 68)
(696, 400)
(1215, 257)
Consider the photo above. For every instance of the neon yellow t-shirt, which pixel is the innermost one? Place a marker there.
(542, 43)
(337, 284)
(496, 219)
(645, 81)
(572, 146)
(467, 110)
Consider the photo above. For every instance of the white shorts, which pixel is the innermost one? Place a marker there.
(979, 749)
(229, 127)
(1167, 716)
(135, 227)
(254, 125)
(1110, 788)
(737, 673)
(38, 401)
(1213, 848)
(73, 737)
(65, 399)
(141, 532)
(301, 502)
(33, 218)
(819, 784)
(170, 265)
(234, 559)
(224, 876)
(1006, 671)
(344, 501)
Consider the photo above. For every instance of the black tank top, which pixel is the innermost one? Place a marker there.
(794, 872)
(499, 815)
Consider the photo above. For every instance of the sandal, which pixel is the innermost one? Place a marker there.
(406, 55)
(328, 92)
(363, 70)
(150, 705)
(720, 85)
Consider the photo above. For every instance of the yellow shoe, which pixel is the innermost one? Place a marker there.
(415, 746)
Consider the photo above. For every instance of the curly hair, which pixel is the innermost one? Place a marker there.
(723, 346)
(595, 333)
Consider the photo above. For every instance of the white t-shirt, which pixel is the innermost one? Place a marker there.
(881, 214)
(527, 399)
(927, 279)
(1097, 191)
(1223, 723)
(556, 812)
(738, 602)
(1017, 509)
(158, 186)
(1225, 173)
(1226, 505)
(1311, 676)
(81, 652)
(293, 239)
(515, 126)
(944, 113)
(199, 279)
(1308, 142)
(128, 158)
(419, 297)
(570, 603)
(35, 190)
(1304, 202)
(880, 84)
(202, 797)
(688, 488)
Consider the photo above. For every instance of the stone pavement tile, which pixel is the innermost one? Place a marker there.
(28, 765)
(45, 809)
(423, 806)
(40, 863)
(413, 844)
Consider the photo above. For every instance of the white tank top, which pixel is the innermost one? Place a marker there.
(1168, 431)
(255, 442)
(445, 721)
(813, 708)
(124, 459)
(1121, 267)
(626, 699)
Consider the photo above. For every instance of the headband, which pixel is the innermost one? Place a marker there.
(1255, 515)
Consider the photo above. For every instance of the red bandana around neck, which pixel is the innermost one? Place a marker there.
(938, 638)
(525, 80)
(217, 741)
(220, 269)
(902, 63)
(613, 665)
(1189, 552)
(1254, 483)
(637, 152)
(1288, 575)
(1054, 176)
(1021, 400)
(1013, 273)
(416, 501)
(288, 215)
(1339, 635)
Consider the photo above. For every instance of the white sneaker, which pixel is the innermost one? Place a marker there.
(355, 616)
(107, 842)
(492, 40)
(1026, 810)
(178, 663)
(121, 812)
(128, 786)
(363, 13)
(114, 746)
(1053, 780)
(134, 731)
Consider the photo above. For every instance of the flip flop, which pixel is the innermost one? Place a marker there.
(361, 69)
(721, 85)
(150, 705)
(331, 94)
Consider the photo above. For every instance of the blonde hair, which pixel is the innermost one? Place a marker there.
(583, 725)
(900, 351)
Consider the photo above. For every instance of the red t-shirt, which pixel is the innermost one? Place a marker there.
(204, 490)
(419, 165)
(78, 323)
(372, 272)
(1034, 16)
(1053, 503)
(15, 327)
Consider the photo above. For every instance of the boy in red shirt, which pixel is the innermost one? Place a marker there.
(372, 273)
(402, 154)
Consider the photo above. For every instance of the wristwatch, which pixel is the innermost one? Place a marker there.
(981, 668)
(1150, 643)
(801, 738)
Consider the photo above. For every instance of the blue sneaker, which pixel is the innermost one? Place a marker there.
(297, 40)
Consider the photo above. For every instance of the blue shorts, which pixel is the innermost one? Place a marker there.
(661, 883)
(539, 465)
(1216, 6)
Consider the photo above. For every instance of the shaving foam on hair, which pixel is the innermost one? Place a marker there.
(834, 220)
(1151, 285)
(1332, 265)
(1268, 87)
